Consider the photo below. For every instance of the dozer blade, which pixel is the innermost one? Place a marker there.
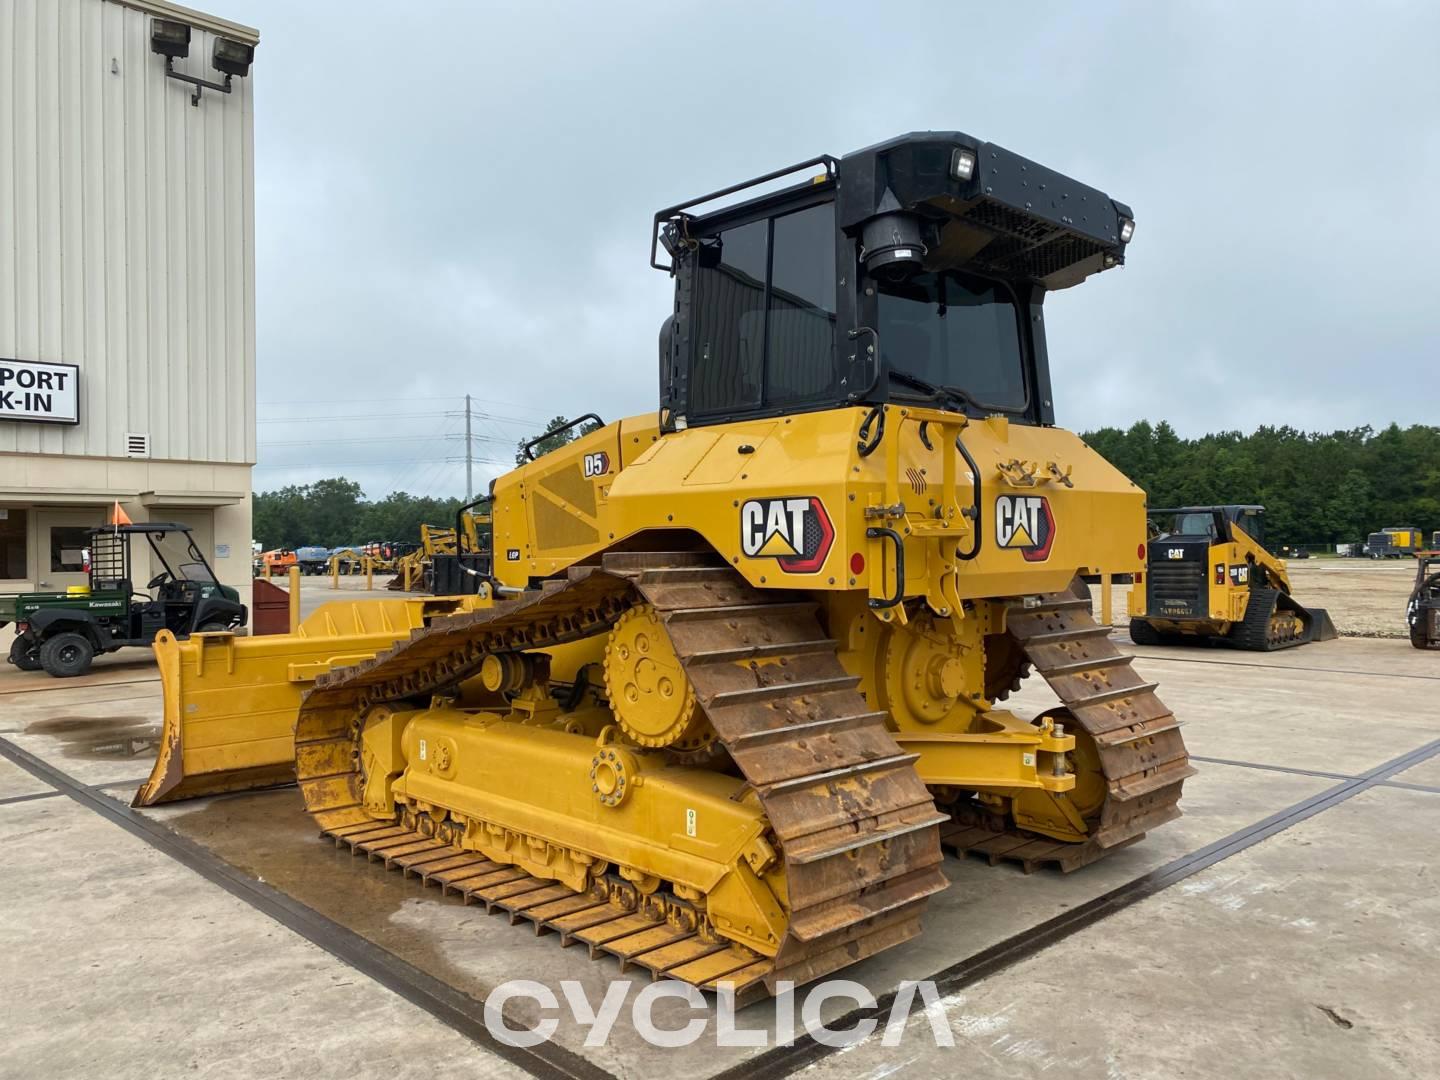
(1321, 626)
(230, 702)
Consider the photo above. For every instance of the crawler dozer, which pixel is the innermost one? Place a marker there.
(740, 664)
(1210, 580)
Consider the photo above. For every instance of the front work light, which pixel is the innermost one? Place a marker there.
(169, 39)
(1127, 229)
(962, 164)
(231, 57)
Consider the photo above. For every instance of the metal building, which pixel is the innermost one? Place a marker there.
(127, 280)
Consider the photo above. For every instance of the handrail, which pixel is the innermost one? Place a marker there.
(527, 447)
(663, 216)
(876, 533)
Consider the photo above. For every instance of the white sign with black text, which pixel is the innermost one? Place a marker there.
(39, 393)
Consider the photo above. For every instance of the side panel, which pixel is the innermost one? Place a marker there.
(788, 501)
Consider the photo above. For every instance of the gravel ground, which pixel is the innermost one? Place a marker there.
(1365, 597)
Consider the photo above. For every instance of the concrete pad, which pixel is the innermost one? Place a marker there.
(16, 781)
(1315, 953)
(1264, 708)
(1349, 655)
(118, 666)
(144, 969)
(1427, 772)
(95, 734)
(269, 835)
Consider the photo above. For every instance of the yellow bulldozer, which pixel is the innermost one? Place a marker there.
(1210, 580)
(739, 666)
(416, 570)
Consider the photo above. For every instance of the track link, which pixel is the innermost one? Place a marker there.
(1142, 754)
(856, 827)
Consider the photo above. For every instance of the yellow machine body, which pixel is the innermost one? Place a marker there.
(716, 482)
(738, 675)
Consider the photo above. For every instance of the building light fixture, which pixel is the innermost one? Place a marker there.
(231, 58)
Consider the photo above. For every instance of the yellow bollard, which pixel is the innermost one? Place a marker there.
(294, 598)
(334, 571)
(369, 572)
(1106, 601)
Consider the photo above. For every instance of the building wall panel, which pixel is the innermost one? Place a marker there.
(126, 233)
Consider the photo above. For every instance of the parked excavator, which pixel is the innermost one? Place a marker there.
(1210, 580)
(738, 666)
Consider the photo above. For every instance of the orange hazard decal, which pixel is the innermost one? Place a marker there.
(795, 532)
(1025, 523)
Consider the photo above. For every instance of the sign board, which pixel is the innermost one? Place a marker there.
(39, 393)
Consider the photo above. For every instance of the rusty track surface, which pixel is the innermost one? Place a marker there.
(857, 829)
(1142, 754)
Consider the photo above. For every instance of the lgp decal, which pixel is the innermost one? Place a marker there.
(795, 532)
(1024, 523)
(512, 554)
(597, 464)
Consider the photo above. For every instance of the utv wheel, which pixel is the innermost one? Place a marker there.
(25, 655)
(67, 655)
(213, 628)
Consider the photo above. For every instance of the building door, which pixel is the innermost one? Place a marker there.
(14, 549)
(59, 559)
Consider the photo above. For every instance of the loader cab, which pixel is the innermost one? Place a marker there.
(912, 271)
(1214, 523)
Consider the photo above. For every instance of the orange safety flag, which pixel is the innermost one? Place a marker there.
(118, 516)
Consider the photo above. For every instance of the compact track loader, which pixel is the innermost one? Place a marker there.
(1209, 579)
(739, 665)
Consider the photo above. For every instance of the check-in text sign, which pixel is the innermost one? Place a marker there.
(39, 393)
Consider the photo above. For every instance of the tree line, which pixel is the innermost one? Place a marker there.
(335, 513)
(1317, 488)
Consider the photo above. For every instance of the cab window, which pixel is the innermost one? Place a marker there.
(764, 321)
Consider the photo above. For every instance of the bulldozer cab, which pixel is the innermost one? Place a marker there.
(910, 271)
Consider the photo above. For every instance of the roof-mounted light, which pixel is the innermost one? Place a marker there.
(1127, 229)
(962, 164)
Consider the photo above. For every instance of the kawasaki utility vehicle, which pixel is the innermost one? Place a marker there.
(62, 631)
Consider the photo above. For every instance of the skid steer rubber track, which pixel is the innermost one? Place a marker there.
(856, 827)
(1142, 754)
(1260, 631)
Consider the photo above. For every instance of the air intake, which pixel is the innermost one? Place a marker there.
(136, 444)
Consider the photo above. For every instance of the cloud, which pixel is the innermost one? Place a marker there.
(459, 200)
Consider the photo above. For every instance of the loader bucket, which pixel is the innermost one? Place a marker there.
(1321, 626)
(230, 702)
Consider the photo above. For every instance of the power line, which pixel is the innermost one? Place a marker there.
(352, 416)
(380, 463)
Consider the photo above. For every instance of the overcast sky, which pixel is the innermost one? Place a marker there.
(456, 197)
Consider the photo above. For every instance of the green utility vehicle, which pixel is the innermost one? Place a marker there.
(63, 631)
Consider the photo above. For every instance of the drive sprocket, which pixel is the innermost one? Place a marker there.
(652, 699)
